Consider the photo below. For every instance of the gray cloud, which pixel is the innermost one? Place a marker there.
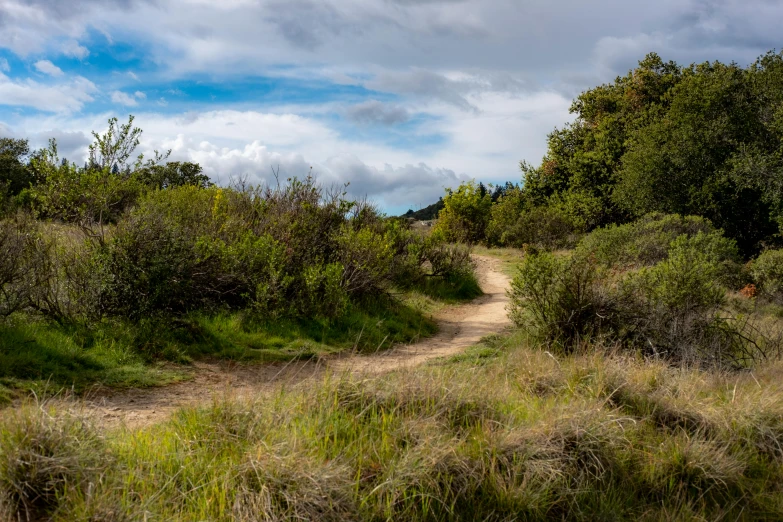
(426, 2)
(471, 63)
(542, 38)
(374, 112)
(431, 85)
(410, 185)
(70, 145)
(307, 24)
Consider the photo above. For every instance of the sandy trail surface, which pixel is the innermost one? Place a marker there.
(459, 327)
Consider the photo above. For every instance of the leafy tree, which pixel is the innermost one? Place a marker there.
(687, 162)
(704, 140)
(173, 174)
(465, 214)
(500, 190)
(90, 198)
(14, 174)
(113, 149)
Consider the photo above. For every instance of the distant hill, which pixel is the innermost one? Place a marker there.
(426, 213)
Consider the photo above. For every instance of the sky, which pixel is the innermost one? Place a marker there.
(399, 98)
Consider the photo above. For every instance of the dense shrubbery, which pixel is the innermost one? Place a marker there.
(21, 254)
(560, 298)
(138, 241)
(288, 251)
(767, 271)
(658, 285)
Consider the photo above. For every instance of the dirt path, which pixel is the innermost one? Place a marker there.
(460, 327)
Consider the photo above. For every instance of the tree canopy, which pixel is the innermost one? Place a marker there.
(704, 139)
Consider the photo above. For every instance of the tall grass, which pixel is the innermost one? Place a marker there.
(502, 432)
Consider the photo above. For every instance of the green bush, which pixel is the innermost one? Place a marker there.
(504, 215)
(649, 241)
(556, 223)
(674, 309)
(561, 299)
(289, 251)
(767, 272)
(22, 252)
(546, 227)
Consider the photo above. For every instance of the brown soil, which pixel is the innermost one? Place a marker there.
(459, 327)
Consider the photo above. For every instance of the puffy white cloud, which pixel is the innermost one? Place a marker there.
(4, 67)
(128, 100)
(47, 67)
(64, 97)
(73, 49)
(123, 99)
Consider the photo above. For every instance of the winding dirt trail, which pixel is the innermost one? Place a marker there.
(459, 327)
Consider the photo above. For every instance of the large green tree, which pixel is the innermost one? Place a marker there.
(705, 139)
(465, 213)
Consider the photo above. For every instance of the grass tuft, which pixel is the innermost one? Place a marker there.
(46, 456)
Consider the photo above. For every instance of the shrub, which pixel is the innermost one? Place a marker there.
(546, 227)
(504, 215)
(673, 309)
(560, 299)
(556, 223)
(767, 271)
(71, 277)
(365, 256)
(22, 254)
(91, 198)
(648, 240)
(293, 250)
(155, 264)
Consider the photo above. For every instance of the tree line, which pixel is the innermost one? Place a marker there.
(704, 139)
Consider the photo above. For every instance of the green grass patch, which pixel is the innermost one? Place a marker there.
(377, 325)
(42, 356)
(452, 290)
(523, 435)
(38, 355)
(509, 257)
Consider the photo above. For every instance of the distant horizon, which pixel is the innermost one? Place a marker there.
(401, 98)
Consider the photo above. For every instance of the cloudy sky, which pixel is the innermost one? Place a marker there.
(400, 97)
